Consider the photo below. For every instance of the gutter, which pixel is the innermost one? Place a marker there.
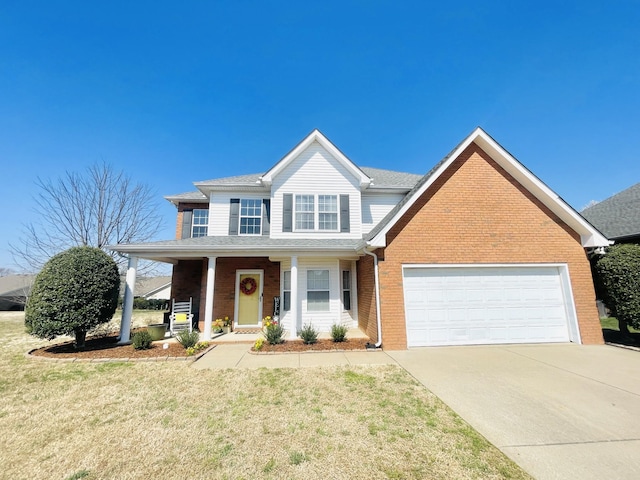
(378, 344)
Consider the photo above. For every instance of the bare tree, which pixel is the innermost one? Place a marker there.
(4, 271)
(98, 208)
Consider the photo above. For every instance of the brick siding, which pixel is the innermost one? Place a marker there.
(190, 280)
(477, 213)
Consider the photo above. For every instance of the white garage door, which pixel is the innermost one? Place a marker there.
(484, 305)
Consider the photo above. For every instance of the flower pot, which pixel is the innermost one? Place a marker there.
(157, 331)
(226, 329)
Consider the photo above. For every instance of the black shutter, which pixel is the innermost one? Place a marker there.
(234, 212)
(187, 216)
(287, 212)
(345, 225)
(266, 216)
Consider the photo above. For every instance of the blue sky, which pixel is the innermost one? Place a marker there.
(179, 92)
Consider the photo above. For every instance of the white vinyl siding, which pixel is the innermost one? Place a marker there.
(375, 207)
(316, 172)
(219, 209)
(321, 320)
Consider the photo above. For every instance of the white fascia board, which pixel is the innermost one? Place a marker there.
(589, 236)
(316, 136)
(167, 252)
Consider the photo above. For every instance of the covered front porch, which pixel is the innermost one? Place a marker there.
(318, 288)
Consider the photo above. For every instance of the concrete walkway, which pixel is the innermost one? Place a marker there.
(559, 411)
(236, 355)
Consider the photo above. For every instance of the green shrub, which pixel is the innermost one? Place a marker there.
(273, 333)
(308, 334)
(188, 339)
(618, 273)
(75, 291)
(338, 332)
(141, 340)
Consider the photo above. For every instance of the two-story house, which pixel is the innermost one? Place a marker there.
(478, 250)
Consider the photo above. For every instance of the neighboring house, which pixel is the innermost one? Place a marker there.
(14, 290)
(154, 288)
(476, 251)
(618, 217)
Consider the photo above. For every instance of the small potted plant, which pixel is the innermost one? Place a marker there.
(226, 324)
(157, 331)
(216, 327)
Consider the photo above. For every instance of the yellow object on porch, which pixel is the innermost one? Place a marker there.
(181, 317)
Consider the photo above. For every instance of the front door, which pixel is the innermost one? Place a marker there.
(248, 311)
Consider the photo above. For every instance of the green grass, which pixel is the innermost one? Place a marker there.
(611, 323)
(168, 420)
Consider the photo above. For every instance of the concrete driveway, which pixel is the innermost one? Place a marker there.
(560, 411)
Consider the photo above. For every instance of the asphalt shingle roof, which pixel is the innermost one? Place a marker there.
(617, 216)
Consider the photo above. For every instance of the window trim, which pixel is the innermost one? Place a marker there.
(327, 290)
(346, 289)
(286, 305)
(259, 217)
(195, 225)
(316, 213)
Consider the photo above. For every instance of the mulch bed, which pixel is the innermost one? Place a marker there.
(324, 344)
(107, 347)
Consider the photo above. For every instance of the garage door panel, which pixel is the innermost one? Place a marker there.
(481, 305)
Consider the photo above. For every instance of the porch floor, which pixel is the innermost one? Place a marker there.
(235, 337)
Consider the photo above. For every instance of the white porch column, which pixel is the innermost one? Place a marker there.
(208, 305)
(293, 307)
(127, 302)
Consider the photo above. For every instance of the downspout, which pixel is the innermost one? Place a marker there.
(378, 344)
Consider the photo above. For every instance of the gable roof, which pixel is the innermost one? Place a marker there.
(316, 136)
(618, 216)
(16, 285)
(589, 236)
(381, 179)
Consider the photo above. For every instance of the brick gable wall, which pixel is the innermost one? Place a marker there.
(477, 213)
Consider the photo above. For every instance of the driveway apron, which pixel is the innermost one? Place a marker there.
(560, 411)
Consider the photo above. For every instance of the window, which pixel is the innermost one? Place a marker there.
(317, 290)
(286, 291)
(346, 289)
(305, 212)
(327, 212)
(250, 216)
(200, 225)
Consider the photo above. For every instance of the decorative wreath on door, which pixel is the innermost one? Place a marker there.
(248, 286)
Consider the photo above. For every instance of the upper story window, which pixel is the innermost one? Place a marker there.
(200, 223)
(315, 213)
(326, 217)
(327, 212)
(305, 212)
(250, 216)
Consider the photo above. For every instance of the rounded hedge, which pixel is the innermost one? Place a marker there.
(75, 291)
(618, 273)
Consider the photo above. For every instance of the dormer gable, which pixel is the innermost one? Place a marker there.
(316, 136)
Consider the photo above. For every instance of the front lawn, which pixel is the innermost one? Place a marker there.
(166, 420)
(611, 333)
